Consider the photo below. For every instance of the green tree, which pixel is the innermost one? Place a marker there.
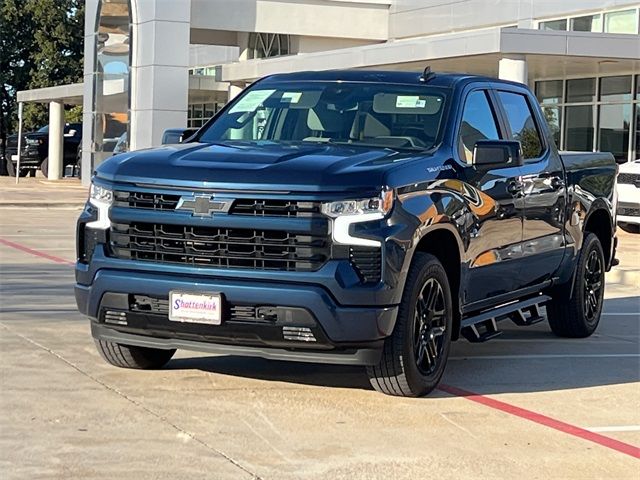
(41, 45)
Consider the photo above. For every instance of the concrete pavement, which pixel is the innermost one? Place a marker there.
(67, 414)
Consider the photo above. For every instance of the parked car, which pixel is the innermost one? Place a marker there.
(348, 217)
(35, 150)
(629, 197)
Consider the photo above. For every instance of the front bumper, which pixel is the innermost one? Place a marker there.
(344, 334)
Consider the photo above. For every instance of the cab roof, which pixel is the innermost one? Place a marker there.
(448, 80)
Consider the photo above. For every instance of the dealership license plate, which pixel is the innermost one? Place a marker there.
(195, 307)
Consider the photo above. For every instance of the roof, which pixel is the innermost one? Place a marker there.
(380, 76)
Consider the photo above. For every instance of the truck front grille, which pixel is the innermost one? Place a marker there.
(279, 208)
(149, 201)
(629, 178)
(219, 247)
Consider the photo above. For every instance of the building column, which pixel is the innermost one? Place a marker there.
(234, 89)
(514, 68)
(159, 71)
(56, 140)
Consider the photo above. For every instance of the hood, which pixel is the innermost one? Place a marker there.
(258, 166)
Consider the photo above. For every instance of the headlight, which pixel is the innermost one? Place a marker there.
(101, 198)
(100, 195)
(347, 212)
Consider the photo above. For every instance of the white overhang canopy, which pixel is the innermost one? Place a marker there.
(576, 52)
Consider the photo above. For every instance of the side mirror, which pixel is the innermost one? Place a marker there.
(187, 134)
(177, 135)
(497, 153)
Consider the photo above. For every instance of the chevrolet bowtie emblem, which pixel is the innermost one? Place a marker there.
(202, 205)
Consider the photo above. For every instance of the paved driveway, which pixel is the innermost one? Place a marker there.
(526, 405)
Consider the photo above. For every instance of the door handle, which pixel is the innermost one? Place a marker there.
(514, 187)
(557, 183)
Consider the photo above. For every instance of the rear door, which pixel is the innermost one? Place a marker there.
(491, 195)
(543, 188)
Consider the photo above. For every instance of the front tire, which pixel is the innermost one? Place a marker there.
(129, 356)
(577, 314)
(415, 355)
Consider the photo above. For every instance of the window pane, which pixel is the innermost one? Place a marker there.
(523, 127)
(478, 123)
(554, 25)
(549, 91)
(578, 130)
(590, 23)
(621, 22)
(637, 87)
(613, 130)
(553, 117)
(615, 89)
(638, 131)
(581, 90)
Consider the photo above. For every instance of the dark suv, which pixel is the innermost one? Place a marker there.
(35, 150)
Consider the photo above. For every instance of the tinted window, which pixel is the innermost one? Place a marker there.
(523, 126)
(478, 123)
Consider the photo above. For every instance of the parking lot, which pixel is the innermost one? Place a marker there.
(526, 405)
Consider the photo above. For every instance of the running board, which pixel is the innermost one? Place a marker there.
(484, 326)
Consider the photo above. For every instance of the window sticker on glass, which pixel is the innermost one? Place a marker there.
(410, 101)
(291, 97)
(251, 101)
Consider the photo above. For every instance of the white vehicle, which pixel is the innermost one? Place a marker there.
(629, 197)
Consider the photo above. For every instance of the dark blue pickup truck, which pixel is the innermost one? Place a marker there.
(349, 217)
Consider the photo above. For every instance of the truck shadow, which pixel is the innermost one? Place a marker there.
(529, 359)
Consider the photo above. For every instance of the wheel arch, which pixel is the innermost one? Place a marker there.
(443, 242)
(600, 223)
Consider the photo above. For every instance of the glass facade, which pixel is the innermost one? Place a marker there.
(267, 45)
(598, 113)
(111, 99)
(199, 113)
(622, 21)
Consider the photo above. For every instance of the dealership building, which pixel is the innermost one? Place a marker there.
(155, 65)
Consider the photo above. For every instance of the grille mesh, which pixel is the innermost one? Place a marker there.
(149, 201)
(631, 178)
(219, 247)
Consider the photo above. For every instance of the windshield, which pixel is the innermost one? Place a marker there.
(368, 114)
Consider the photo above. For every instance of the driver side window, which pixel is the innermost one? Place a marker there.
(478, 123)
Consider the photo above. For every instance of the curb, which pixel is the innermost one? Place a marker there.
(41, 205)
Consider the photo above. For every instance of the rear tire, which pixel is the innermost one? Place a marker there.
(129, 356)
(577, 315)
(415, 355)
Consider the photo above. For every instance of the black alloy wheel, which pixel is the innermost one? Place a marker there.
(593, 283)
(429, 327)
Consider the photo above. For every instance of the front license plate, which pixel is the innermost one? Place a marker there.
(195, 307)
(14, 158)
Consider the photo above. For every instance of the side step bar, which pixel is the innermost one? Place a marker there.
(484, 325)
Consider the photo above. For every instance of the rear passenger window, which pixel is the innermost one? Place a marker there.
(478, 123)
(523, 127)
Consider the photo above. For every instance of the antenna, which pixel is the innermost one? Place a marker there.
(427, 74)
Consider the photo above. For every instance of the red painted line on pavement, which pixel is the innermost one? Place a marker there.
(544, 420)
(37, 253)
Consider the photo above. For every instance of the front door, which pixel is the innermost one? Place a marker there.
(495, 204)
(543, 183)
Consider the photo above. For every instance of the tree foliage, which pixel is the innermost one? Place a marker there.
(41, 45)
